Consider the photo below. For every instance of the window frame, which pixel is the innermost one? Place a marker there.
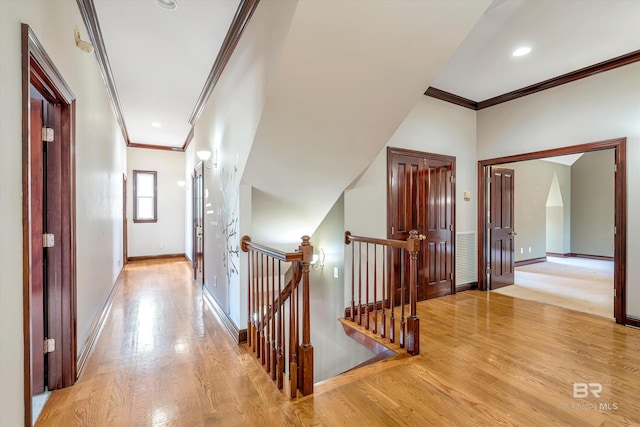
(135, 196)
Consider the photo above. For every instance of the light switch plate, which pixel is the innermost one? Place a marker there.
(336, 273)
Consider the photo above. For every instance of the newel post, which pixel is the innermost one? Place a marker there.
(413, 322)
(244, 245)
(306, 349)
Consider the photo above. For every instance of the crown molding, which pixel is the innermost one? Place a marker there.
(591, 70)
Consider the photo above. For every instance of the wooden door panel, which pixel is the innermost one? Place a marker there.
(502, 232)
(53, 255)
(439, 231)
(37, 251)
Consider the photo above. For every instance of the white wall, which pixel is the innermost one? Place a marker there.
(228, 126)
(167, 235)
(596, 108)
(100, 163)
(188, 206)
(432, 126)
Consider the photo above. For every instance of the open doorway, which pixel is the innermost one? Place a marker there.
(564, 231)
(48, 183)
(493, 256)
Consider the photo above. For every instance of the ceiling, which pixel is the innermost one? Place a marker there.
(160, 61)
(564, 36)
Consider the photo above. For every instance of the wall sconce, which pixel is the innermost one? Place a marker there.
(205, 156)
(317, 263)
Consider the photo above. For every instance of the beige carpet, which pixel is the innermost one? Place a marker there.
(580, 284)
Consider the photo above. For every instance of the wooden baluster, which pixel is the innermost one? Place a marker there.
(263, 302)
(366, 309)
(280, 359)
(359, 283)
(266, 361)
(392, 298)
(274, 301)
(413, 325)
(306, 349)
(385, 283)
(375, 289)
(249, 299)
(353, 280)
(403, 289)
(254, 290)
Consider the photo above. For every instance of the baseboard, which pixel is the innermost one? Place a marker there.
(632, 321)
(238, 335)
(152, 257)
(530, 261)
(371, 307)
(600, 257)
(559, 255)
(467, 287)
(97, 325)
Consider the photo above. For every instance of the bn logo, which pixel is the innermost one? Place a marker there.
(582, 390)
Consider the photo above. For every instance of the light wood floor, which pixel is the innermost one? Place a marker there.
(487, 359)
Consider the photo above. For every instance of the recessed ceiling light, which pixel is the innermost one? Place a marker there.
(156, 125)
(167, 4)
(521, 51)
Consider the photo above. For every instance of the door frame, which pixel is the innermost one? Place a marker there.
(125, 225)
(39, 70)
(619, 145)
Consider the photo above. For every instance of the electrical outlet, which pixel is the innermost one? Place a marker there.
(161, 245)
(215, 281)
(529, 249)
(521, 250)
(336, 273)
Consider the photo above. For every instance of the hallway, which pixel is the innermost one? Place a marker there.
(487, 359)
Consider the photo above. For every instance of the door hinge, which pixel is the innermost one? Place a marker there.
(489, 180)
(451, 276)
(614, 292)
(450, 227)
(47, 240)
(615, 167)
(615, 230)
(47, 134)
(451, 179)
(49, 345)
(392, 230)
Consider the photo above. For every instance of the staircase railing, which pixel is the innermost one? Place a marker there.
(378, 270)
(275, 312)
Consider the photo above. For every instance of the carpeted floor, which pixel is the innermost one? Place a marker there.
(580, 284)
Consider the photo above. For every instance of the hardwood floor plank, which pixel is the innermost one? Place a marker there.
(486, 359)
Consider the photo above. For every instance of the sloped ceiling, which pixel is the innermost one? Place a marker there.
(564, 36)
(350, 72)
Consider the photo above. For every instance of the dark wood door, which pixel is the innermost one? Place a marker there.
(501, 193)
(198, 224)
(438, 246)
(421, 197)
(37, 251)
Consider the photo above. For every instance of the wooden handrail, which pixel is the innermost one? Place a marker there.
(246, 244)
(348, 238)
(399, 262)
(266, 322)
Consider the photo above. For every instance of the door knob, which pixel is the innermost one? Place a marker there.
(422, 237)
(513, 233)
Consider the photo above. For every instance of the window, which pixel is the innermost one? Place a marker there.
(145, 202)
